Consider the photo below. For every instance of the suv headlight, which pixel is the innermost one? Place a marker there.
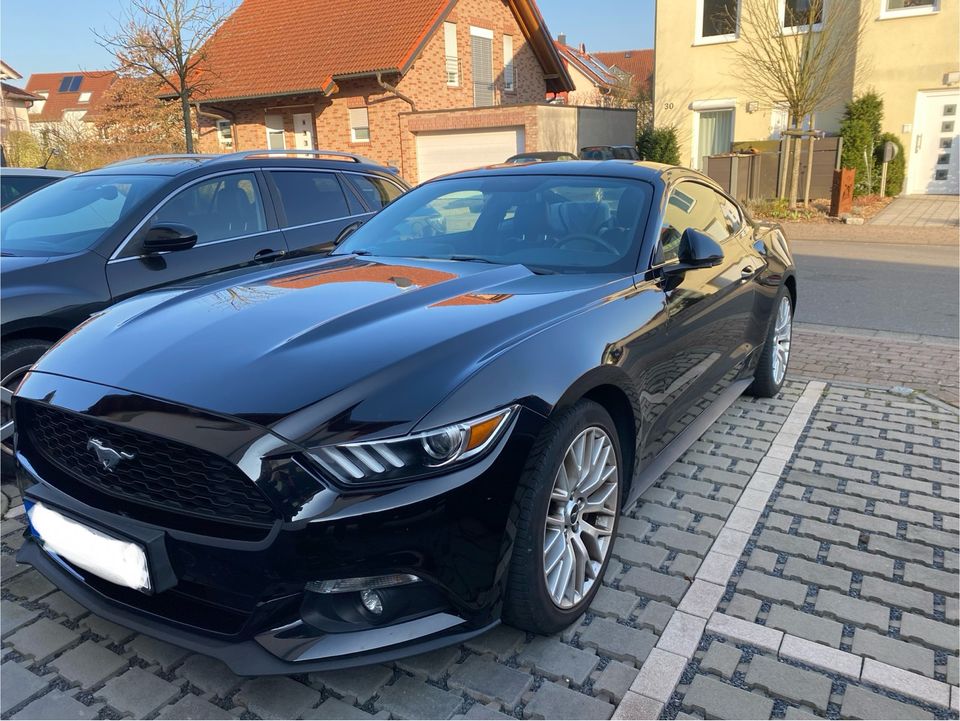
(393, 459)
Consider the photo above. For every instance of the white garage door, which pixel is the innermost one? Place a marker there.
(450, 151)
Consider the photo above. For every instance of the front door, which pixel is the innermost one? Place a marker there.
(234, 228)
(709, 311)
(303, 131)
(935, 157)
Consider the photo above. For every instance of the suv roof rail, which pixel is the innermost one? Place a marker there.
(332, 154)
(198, 157)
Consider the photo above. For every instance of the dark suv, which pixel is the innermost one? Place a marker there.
(89, 240)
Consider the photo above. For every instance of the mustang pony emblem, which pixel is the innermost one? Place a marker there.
(108, 457)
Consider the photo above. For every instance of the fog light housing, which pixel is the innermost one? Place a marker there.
(372, 601)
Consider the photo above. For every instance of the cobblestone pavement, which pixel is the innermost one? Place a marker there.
(920, 211)
(836, 515)
(924, 363)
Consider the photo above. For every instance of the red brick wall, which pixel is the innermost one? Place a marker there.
(425, 84)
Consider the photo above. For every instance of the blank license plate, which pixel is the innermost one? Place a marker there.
(112, 559)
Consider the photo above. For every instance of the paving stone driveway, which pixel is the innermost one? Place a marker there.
(832, 512)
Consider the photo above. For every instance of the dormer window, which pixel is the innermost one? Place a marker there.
(70, 83)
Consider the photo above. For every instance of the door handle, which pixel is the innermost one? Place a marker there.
(267, 255)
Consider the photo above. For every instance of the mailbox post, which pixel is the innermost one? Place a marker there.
(890, 151)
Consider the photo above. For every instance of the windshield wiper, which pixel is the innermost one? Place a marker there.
(8, 254)
(472, 259)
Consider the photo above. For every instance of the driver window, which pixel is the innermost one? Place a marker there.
(227, 206)
(692, 205)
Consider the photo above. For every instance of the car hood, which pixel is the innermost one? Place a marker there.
(384, 334)
(12, 264)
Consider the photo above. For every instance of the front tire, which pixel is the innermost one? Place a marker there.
(771, 369)
(569, 501)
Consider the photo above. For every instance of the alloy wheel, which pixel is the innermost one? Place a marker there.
(8, 384)
(584, 503)
(782, 332)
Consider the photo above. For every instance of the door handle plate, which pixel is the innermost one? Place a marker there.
(268, 254)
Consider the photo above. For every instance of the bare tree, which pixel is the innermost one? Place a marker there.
(805, 60)
(166, 38)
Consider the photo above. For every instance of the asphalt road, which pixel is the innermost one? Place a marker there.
(899, 288)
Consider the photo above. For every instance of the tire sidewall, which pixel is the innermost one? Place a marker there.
(586, 414)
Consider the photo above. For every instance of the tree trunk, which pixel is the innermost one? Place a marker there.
(795, 170)
(187, 124)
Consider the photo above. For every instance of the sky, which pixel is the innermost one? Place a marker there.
(38, 36)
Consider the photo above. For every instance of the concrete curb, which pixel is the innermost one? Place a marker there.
(942, 235)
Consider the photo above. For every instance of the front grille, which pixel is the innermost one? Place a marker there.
(162, 474)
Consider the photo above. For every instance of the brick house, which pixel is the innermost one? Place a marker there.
(423, 85)
(68, 102)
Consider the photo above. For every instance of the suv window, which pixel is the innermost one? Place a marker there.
(377, 193)
(227, 206)
(310, 196)
(625, 153)
(692, 205)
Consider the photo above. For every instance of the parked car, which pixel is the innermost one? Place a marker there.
(542, 157)
(609, 152)
(75, 247)
(17, 182)
(349, 459)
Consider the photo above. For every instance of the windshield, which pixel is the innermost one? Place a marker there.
(565, 224)
(72, 214)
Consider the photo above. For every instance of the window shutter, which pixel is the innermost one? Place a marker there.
(508, 78)
(359, 125)
(452, 56)
(482, 64)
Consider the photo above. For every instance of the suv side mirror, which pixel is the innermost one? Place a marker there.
(169, 236)
(697, 250)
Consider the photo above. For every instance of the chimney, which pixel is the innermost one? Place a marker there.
(583, 48)
(562, 38)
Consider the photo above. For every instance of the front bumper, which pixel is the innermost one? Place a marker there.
(240, 596)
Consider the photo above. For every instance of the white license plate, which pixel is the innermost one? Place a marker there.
(112, 559)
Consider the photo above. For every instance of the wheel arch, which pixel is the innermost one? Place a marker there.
(46, 333)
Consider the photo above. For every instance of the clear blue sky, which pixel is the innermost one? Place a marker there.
(39, 36)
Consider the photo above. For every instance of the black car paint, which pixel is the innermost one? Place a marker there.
(45, 296)
(260, 380)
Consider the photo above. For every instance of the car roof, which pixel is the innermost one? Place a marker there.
(638, 170)
(35, 172)
(175, 164)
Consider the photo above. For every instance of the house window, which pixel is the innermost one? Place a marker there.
(84, 98)
(275, 139)
(906, 8)
(225, 133)
(481, 46)
(801, 15)
(70, 83)
(359, 125)
(509, 81)
(452, 58)
(717, 21)
(714, 134)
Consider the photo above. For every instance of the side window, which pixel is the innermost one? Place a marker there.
(692, 205)
(224, 207)
(377, 193)
(310, 197)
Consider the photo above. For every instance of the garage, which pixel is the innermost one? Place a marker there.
(450, 151)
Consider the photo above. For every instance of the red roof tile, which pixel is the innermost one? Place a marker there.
(12, 92)
(637, 63)
(589, 65)
(285, 47)
(94, 82)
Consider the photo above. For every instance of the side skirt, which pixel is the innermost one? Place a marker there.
(649, 475)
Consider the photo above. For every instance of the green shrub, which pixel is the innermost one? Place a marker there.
(21, 149)
(659, 145)
(860, 129)
(895, 169)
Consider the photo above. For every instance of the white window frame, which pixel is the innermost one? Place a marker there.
(481, 32)
(817, 27)
(224, 142)
(274, 131)
(706, 106)
(354, 127)
(85, 97)
(698, 37)
(886, 13)
(451, 55)
(509, 70)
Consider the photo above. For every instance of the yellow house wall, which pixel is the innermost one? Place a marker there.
(902, 55)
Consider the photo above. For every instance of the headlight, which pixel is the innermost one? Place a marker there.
(393, 459)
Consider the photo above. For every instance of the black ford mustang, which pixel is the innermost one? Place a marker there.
(331, 462)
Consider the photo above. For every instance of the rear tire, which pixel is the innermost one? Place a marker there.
(16, 358)
(771, 371)
(583, 504)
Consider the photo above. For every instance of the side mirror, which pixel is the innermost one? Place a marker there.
(169, 237)
(697, 250)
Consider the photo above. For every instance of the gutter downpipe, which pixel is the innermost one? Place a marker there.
(226, 115)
